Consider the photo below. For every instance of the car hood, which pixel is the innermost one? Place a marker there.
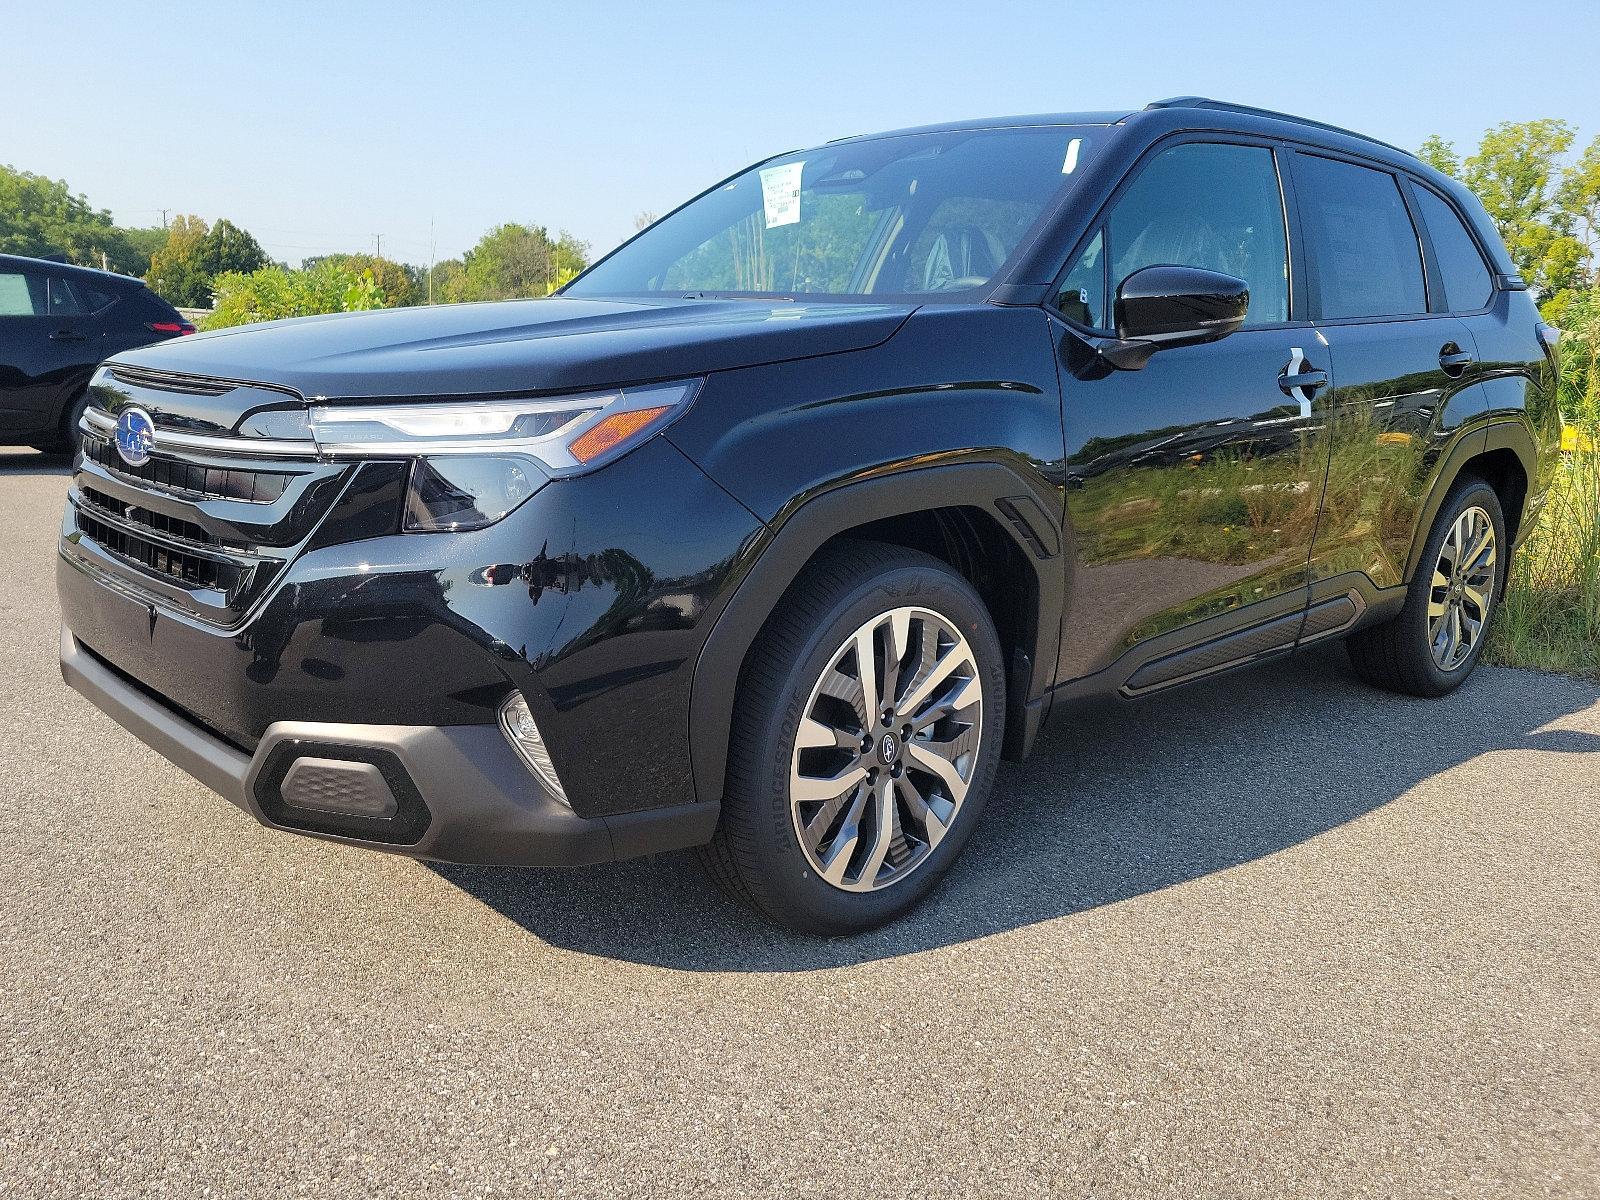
(519, 345)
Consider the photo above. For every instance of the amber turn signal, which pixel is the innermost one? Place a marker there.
(617, 428)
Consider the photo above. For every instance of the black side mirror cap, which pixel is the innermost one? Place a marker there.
(1164, 306)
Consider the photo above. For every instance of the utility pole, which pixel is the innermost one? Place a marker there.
(378, 238)
(164, 212)
(433, 252)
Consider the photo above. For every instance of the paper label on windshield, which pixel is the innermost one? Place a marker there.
(780, 193)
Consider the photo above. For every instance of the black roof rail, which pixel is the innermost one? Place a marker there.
(1248, 110)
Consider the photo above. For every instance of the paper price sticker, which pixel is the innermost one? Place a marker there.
(780, 193)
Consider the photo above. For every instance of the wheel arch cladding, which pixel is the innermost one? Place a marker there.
(1504, 455)
(961, 514)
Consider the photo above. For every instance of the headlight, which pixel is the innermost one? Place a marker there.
(564, 434)
(477, 460)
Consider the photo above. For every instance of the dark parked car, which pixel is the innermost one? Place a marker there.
(779, 526)
(57, 324)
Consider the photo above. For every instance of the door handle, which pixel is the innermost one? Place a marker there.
(68, 335)
(1313, 381)
(1453, 360)
(1301, 381)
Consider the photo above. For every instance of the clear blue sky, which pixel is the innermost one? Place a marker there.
(317, 125)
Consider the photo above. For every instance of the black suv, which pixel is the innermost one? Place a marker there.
(781, 524)
(57, 324)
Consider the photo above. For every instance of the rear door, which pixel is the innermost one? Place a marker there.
(46, 350)
(1192, 483)
(1404, 369)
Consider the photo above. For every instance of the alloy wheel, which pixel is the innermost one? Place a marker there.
(886, 749)
(1463, 588)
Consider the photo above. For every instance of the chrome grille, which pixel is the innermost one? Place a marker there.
(165, 382)
(212, 518)
(104, 506)
(187, 569)
(228, 483)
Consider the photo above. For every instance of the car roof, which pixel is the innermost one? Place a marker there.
(1176, 113)
(71, 270)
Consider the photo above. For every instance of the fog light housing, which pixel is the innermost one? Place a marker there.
(528, 742)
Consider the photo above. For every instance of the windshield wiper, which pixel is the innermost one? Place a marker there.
(765, 296)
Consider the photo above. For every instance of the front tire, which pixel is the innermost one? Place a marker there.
(866, 736)
(1435, 641)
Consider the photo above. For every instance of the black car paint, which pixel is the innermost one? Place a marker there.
(622, 603)
(46, 361)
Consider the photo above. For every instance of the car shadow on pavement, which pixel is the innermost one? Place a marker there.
(1118, 800)
(23, 461)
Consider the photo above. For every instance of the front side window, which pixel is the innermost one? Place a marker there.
(1364, 254)
(1214, 206)
(926, 215)
(1467, 282)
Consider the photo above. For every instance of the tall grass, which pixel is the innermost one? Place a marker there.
(1550, 616)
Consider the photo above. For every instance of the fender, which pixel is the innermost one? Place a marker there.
(1511, 434)
(773, 563)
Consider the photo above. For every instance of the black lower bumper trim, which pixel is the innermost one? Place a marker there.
(483, 805)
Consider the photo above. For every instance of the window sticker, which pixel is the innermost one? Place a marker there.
(780, 193)
(1071, 165)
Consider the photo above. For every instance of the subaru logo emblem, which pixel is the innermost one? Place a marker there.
(888, 749)
(136, 434)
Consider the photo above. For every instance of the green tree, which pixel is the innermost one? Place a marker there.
(272, 293)
(194, 254)
(397, 280)
(1440, 155)
(176, 271)
(143, 244)
(1579, 196)
(515, 260)
(227, 248)
(40, 216)
(1515, 172)
(448, 281)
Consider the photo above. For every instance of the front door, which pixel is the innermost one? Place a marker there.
(1193, 484)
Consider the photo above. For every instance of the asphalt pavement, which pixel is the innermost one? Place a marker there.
(1277, 935)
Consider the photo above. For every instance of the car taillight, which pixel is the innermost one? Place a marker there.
(169, 327)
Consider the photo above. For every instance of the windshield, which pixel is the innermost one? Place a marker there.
(916, 214)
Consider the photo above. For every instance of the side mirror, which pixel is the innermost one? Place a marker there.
(1164, 306)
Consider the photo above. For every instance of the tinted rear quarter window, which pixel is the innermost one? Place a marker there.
(1364, 255)
(96, 300)
(1467, 282)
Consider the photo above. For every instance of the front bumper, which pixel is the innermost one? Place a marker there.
(464, 794)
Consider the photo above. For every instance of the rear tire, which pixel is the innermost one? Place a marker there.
(917, 748)
(1435, 641)
(67, 439)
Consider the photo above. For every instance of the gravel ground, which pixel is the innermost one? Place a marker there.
(1279, 935)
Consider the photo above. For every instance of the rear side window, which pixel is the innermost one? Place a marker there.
(1467, 282)
(1207, 205)
(21, 295)
(63, 299)
(1364, 255)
